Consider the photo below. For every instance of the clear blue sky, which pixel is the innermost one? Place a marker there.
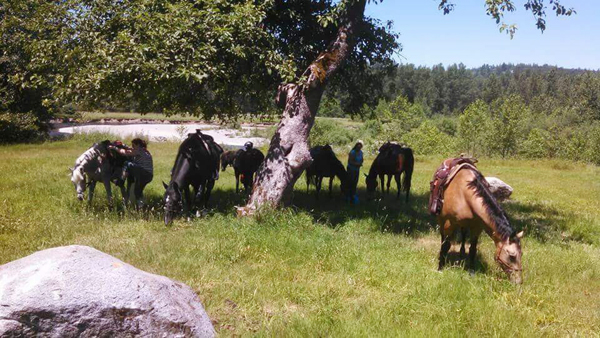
(469, 36)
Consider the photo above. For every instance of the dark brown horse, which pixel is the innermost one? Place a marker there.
(326, 164)
(246, 163)
(392, 160)
(470, 206)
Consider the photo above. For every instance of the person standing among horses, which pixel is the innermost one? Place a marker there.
(355, 161)
(140, 167)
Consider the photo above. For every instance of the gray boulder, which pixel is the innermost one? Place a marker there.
(79, 291)
(499, 189)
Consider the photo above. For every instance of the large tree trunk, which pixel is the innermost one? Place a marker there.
(288, 154)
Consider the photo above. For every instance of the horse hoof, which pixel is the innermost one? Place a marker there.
(189, 219)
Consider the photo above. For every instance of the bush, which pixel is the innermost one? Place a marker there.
(508, 126)
(593, 149)
(537, 144)
(330, 107)
(332, 133)
(473, 125)
(18, 127)
(427, 139)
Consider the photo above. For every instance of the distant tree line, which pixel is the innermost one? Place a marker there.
(449, 90)
(526, 111)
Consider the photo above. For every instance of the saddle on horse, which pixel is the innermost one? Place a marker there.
(442, 178)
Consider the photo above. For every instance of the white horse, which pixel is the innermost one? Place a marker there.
(99, 164)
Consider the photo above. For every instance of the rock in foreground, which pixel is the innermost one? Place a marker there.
(80, 291)
(499, 189)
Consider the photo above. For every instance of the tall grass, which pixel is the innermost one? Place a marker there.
(325, 268)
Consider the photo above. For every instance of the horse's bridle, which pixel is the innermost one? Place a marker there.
(503, 264)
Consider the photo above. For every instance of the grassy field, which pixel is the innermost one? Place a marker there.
(325, 268)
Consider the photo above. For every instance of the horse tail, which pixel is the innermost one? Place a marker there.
(409, 164)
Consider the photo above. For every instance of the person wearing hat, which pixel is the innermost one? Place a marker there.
(355, 161)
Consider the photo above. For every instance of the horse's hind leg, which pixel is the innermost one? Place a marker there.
(389, 183)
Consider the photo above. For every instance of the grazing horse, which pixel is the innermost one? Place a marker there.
(245, 164)
(326, 164)
(392, 160)
(99, 164)
(468, 205)
(196, 164)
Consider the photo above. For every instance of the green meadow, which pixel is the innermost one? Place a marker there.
(324, 267)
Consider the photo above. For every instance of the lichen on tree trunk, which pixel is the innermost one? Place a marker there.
(288, 154)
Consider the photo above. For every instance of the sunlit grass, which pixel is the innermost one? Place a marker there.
(324, 267)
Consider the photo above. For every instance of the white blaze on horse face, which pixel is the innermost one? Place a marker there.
(78, 179)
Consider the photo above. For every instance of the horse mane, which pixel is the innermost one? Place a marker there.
(493, 208)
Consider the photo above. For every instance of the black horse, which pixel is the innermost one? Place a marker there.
(99, 164)
(326, 164)
(245, 163)
(196, 164)
(392, 160)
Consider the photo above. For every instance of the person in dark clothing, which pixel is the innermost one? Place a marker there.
(355, 161)
(140, 166)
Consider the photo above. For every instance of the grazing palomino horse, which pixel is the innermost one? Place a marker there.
(196, 164)
(326, 164)
(99, 164)
(468, 205)
(392, 160)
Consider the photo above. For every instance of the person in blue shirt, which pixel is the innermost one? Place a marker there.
(355, 161)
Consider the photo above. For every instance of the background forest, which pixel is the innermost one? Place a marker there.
(508, 110)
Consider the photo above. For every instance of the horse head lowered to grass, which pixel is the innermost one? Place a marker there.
(196, 164)
(326, 164)
(469, 206)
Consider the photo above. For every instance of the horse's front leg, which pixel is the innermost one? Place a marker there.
(473, 248)
(331, 186)
(128, 192)
(207, 190)
(382, 179)
(318, 185)
(108, 192)
(446, 231)
(188, 202)
(389, 183)
(91, 191)
(398, 185)
(237, 181)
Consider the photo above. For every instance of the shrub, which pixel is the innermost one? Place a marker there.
(473, 126)
(537, 144)
(508, 126)
(330, 132)
(427, 139)
(593, 149)
(18, 127)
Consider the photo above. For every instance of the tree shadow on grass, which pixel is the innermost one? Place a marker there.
(388, 213)
(384, 213)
